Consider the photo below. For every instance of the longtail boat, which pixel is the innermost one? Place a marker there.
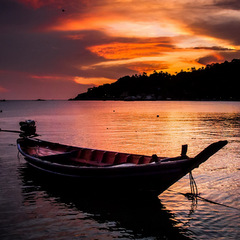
(101, 169)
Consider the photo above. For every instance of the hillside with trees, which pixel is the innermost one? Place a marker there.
(214, 82)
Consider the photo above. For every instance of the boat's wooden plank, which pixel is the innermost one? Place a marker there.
(97, 156)
(134, 158)
(121, 158)
(109, 157)
(86, 154)
(145, 160)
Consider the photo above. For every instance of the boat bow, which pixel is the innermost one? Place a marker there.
(208, 152)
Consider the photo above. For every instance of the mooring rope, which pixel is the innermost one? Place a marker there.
(193, 186)
(194, 195)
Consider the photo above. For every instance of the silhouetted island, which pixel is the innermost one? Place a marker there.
(214, 82)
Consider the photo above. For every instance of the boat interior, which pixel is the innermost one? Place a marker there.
(83, 156)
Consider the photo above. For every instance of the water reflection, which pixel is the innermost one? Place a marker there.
(134, 127)
(130, 129)
(94, 214)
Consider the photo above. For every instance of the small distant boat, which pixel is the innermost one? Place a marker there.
(101, 169)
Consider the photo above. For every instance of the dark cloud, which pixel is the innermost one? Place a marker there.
(216, 19)
(48, 53)
(208, 59)
(215, 48)
(231, 55)
(229, 4)
(227, 29)
(219, 57)
(15, 16)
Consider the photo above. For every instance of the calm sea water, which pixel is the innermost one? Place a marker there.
(34, 209)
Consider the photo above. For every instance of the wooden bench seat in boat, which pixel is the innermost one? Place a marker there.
(91, 157)
(94, 157)
(121, 158)
(134, 158)
(145, 160)
(109, 157)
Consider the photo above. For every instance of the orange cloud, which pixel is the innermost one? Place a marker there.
(211, 58)
(147, 56)
(148, 67)
(171, 61)
(129, 50)
(49, 77)
(218, 56)
(93, 81)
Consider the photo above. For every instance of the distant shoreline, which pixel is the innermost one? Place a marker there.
(120, 100)
(158, 100)
(215, 82)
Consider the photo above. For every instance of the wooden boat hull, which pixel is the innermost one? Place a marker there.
(154, 176)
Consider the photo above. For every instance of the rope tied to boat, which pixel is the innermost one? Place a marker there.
(193, 196)
(194, 190)
(193, 186)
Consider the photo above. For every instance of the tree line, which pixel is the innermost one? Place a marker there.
(217, 81)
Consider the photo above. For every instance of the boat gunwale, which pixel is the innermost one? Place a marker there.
(164, 161)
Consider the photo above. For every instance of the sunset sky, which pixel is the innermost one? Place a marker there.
(55, 49)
